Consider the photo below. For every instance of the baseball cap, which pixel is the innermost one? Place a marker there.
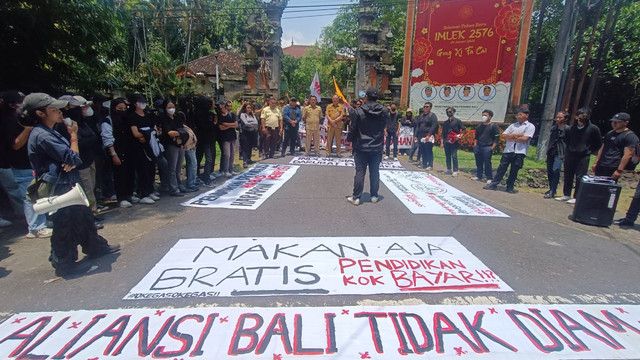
(620, 117)
(76, 100)
(36, 101)
(372, 92)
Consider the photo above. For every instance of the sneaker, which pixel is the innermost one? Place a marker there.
(209, 184)
(42, 233)
(113, 198)
(101, 208)
(5, 223)
(134, 199)
(489, 181)
(374, 199)
(109, 249)
(454, 174)
(147, 200)
(355, 201)
(244, 165)
(410, 159)
(125, 204)
(339, 156)
(549, 195)
(227, 174)
(176, 194)
(563, 198)
(475, 178)
(385, 157)
(154, 197)
(428, 168)
(191, 189)
(511, 191)
(448, 172)
(623, 222)
(490, 186)
(395, 158)
(571, 201)
(233, 173)
(99, 225)
(76, 268)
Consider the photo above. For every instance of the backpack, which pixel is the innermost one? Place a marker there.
(635, 157)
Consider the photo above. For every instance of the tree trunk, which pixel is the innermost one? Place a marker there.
(571, 76)
(534, 53)
(587, 60)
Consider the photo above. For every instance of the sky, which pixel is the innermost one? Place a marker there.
(303, 25)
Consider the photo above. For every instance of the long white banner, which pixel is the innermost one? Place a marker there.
(493, 332)
(247, 190)
(315, 266)
(349, 162)
(423, 193)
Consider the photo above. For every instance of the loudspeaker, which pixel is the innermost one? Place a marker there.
(596, 201)
(75, 196)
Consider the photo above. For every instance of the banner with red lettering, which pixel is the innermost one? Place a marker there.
(247, 190)
(464, 55)
(495, 332)
(209, 268)
(342, 162)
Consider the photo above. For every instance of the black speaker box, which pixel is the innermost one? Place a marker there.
(596, 201)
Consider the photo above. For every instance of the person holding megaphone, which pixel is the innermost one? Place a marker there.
(54, 159)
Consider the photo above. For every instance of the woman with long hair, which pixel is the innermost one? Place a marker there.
(54, 160)
(117, 139)
(141, 125)
(172, 125)
(249, 134)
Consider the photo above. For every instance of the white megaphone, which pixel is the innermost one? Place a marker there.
(75, 196)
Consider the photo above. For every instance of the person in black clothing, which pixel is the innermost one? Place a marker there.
(426, 128)
(227, 136)
(207, 134)
(617, 148)
(367, 136)
(172, 123)
(119, 148)
(556, 152)
(142, 124)
(391, 132)
(452, 130)
(486, 139)
(582, 139)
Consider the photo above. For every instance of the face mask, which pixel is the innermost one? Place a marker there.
(141, 106)
(449, 113)
(88, 112)
(485, 118)
(393, 109)
(171, 111)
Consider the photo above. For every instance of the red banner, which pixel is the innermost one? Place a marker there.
(464, 52)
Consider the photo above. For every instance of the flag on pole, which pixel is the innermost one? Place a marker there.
(339, 93)
(314, 88)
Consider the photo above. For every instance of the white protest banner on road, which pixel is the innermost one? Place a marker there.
(315, 266)
(247, 190)
(348, 162)
(423, 193)
(496, 332)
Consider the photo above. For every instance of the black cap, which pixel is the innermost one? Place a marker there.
(372, 92)
(620, 117)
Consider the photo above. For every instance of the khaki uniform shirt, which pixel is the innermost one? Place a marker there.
(334, 112)
(271, 117)
(312, 117)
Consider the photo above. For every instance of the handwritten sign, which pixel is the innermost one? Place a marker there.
(522, 331)
(315, 266)
(349, 162)
(247, 190)
(423, 193)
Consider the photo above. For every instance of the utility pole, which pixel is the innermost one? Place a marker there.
(556, 78)
(186, 52)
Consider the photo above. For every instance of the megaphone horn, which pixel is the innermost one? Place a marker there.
(75, 196)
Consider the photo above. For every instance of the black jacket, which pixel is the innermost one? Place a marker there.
(585, 141)
(367, 128)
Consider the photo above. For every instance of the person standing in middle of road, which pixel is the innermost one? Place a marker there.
(271, 122)
(367, 136)
(452, 130)
(335, 113)
(426, 128)
(311, 116)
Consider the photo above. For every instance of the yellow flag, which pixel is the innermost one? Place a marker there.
(339, 93)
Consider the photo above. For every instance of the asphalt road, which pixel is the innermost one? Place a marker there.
(538, 251)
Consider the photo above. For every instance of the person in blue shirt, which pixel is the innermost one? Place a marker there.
(292, 115)
(54, 160)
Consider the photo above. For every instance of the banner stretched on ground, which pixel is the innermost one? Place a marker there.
(315, 266)
(464, 55)
(247, 190)
(496, 332)
(315, 160)
(423, 193)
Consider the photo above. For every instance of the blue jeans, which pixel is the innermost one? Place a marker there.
(191, 168)
(554, 165)
(426, 150)
(372, 160)
(8, 183)
(451, 154)
(483, 161)
(23, 178)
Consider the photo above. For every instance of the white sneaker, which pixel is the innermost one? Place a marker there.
(134, 199)
(428, 168)
(42, 233)
(147, 200)
(5, 223)
(355, 202)
(454, 174)
(374, 199)
(489, 182)
(563, 198)
(125, 204)
(571, 201)
(154, 197)
(395, 158)
(475, 178)
(227, 174)
(386, 157)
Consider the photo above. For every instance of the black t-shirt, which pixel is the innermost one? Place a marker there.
(487, 134)
(9, 131)
(140, 122)
(392, 121)
(229, 134)
(614, 144)
(426, 124)
(454, 125)
(169, 124)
